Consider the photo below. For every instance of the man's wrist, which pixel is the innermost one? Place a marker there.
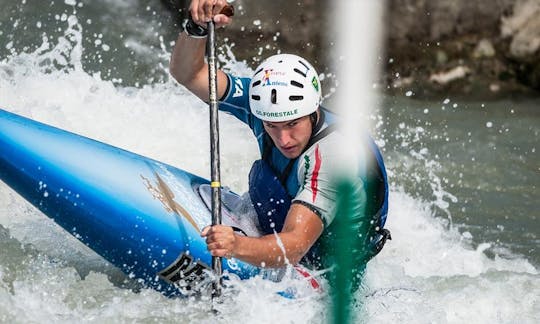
(194, 30)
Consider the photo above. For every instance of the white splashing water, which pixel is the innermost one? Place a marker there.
(427, 273)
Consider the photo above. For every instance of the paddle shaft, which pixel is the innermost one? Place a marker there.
(214, 148)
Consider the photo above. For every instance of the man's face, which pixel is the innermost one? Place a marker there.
(290, 137)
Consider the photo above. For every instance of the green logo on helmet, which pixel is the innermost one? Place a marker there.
(315, 83)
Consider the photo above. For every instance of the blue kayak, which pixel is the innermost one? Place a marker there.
(141, 215)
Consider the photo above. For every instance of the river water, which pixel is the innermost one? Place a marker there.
(464, 178)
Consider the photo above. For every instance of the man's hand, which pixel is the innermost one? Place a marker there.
(187, 61)
(220, 240)
(302, 228)
(202, 11)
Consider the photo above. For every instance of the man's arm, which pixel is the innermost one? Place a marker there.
(301, 229)
(187, 64)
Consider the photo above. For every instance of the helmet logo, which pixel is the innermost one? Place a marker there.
(268, 78)
(315, 84)
(290, 114)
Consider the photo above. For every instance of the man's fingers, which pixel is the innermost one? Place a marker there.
(222, 20)
(219, 240)
(205, 231)
(221, 7)
(223, 13)
(202, 11)
(215, 232)
(217, 245)
(208, 8)
(220, 253)
(194, 10)
(217, 7)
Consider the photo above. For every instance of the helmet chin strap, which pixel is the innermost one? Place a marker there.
(314, 118)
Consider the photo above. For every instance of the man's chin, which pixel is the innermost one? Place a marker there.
(292, 154)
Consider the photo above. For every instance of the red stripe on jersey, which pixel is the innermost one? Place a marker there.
(312, 281)
(315, 175)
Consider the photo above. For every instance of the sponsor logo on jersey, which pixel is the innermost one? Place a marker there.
(238, 88)
(306, 170)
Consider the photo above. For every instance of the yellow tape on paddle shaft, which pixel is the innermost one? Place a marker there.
(215, 184)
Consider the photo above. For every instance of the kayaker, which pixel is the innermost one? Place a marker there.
(290, 186)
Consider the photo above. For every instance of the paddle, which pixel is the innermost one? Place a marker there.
(214, 141)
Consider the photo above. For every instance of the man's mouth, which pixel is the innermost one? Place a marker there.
(288, 148)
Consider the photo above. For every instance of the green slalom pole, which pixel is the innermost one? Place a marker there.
(350, 250)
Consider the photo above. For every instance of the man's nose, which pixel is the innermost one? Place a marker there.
(284, 137)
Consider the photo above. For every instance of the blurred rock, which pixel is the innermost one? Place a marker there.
(437, 21)
(459, 72)
(433, 41)
(522, 27)
(484, 49)
(436, 48)
(441, 57)
(494, 87)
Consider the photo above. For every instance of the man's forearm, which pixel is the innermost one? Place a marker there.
(270, 251)
(187, 63)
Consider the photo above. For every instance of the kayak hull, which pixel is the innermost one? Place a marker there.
(141, 215)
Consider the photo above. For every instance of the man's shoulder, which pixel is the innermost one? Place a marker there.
(238, 87)
(329, 142)
(321, 155)
(331, 149)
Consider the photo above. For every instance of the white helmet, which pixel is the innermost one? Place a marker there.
(284, 87)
